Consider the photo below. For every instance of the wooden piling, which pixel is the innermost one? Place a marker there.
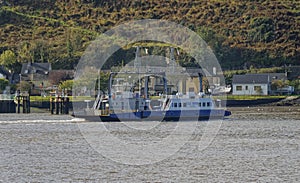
(57, 105)
(67, 100)
(60, 105)
(18, 103)
(52, 105)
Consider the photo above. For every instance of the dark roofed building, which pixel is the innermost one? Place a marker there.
(34, 68)
(35, 71)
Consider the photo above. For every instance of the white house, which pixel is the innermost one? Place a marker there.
(255, 84)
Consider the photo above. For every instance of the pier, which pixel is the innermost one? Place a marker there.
(7, 106)
(59, 105)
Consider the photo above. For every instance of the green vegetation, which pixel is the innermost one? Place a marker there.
(72, 98)
(248, 97)
(3, 84)
(241, 33)
(8, 59)
(66, 85)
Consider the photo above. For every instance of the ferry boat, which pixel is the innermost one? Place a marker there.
(128, 98)
(126, 105)
(171, 108)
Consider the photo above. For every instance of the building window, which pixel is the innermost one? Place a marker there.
(239, 88)
(258, 89)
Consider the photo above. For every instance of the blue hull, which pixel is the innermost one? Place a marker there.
(167, 115)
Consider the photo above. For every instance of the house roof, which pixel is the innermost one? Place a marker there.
(67, 73)
(250, 79)
(33, 68)
(264, 78)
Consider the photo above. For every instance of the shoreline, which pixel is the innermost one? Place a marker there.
(265, 112)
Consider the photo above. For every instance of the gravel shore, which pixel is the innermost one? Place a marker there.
(265, 112)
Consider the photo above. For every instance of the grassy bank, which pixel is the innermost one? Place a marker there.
(72, 98)
(253, 97)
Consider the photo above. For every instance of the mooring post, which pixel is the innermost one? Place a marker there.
(61, 105)
(28, 104)
(24, 104)
(18, 101)
(52, 105)
(57, 105)
(67, 105)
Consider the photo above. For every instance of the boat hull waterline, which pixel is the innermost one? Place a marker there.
(186, 115)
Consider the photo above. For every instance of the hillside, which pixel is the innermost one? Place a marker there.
(261, 33)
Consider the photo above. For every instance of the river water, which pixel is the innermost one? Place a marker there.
(45, 148)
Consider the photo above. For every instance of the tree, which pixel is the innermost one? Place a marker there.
(66, 85)
(24, 86)
(42, 50)
(8, 59)
(3, 84)
(276, 84)
(39, 51)
(24, 52)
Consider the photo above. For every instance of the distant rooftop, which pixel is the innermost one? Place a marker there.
(33, 68)
(246, 79)
(263, 78)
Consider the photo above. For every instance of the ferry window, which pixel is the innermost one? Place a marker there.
(179, 104)
(172, 105)
(175, 104)
(204, 104)
(199, 104)
(246, 88)
(184, 104)
(208, 104)
(239, 88)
